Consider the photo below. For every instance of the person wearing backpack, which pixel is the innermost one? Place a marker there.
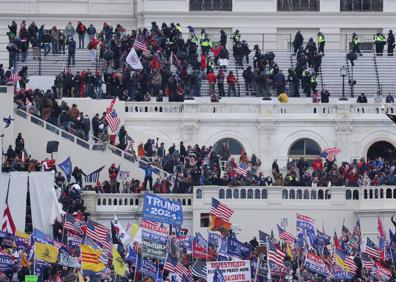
(81, 29)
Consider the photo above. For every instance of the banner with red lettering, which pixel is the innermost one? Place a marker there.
(235, 271)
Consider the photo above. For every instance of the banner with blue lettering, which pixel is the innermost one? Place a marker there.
(216, 245)
(315, 264)
(322, 238)
(159, 209)
(149, 269)
(7, 239)
(237, 249)
(6, 263)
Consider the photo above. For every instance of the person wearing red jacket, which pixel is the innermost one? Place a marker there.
(231, 81)
(155, 64)
(93, 44)
(211, 77)
(216, 53)
(203, 62)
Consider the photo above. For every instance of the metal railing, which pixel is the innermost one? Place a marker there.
(210, 5)
(88, 145)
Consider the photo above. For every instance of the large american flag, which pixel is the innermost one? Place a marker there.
(330, 153)
(367, 261)
(112, 117)
(100, 234)
(221, 210)
(356, 236)
(242, 171)
(72, 224)
(372, 249)
(139, 44)
(170, 263)
(130, 144)
(275, 255)
(287, 237)
(345, 261)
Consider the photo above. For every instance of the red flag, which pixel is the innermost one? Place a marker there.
(380, 228)
(8, 224)
(336, 242)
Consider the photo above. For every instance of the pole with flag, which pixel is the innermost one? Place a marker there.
(268, 262)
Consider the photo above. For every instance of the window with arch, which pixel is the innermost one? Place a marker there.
(298, 5)
(234, 146)
(306, 148)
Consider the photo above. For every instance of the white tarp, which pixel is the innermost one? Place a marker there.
(44, 204)
(16, 197)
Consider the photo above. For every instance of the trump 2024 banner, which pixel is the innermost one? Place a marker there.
(159, 209)
(235, 271)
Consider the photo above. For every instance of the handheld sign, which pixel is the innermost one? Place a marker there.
(156, 208)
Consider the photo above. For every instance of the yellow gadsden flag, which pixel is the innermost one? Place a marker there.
(46, 252)
(90, 259)
(118, 263)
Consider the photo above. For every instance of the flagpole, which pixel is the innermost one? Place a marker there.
(137, 258)
(268, 264)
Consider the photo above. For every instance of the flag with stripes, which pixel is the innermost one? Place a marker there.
(330, 153)
(182, 271)
(99, 234)
(382, 272)
(170, 263)
(221, 210)
(285, 236)
(344, 261)
(176, 62)
(139, 44)
(72, 224)
(112, 117)
(199, 269)
(275, 257)
(93, 176)
(8, 221)
(129, 144)
(241, 170)
(346, 234)
(367, 261)
(372, 249)
(356, 236)
(104, 256)
(105, 274)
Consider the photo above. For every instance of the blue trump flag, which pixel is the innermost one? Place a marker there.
(67, 167)
(218, 276)
(6, 263)
(159, 209)
(238, 249)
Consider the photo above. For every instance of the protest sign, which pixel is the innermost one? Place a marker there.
(163, 210)
(235, 271)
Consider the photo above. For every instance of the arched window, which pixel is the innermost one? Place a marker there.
(250, 194)
(228, 194)
(234, 146)
(299, 194)
(243, 194)
(306, 148)
(320, 195)
(292, 194)
(348, 194)
(355, 194)
(264, 194)
(257, 194)
(313, 194)
(381, 149)
(388, 193)
(285, 194)
(221, 194)
(236, 194)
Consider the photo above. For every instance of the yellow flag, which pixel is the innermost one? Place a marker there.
(90, 259)
(289, 251)
(46, 252)
(80, 277)
(118, 263)
(22, 235)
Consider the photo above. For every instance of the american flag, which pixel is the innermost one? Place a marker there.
(182, 270)
(330, 153)
(372, 249)
(356, 236)
(112, 117)
(287, 237)
(105, 274)
(381, 230)
(170, 263)
(263, 237)
(275, 255)
(367, 261)
(241, 171)
(130, 144)
(345, 261)
(382, 272)
(138, 44)
(346, 234)
(221, 210)
(8, 221)
(100, 234)
(199, 269)
(72, 224)
(327, 257)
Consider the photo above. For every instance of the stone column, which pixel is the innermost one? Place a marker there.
(266, 132)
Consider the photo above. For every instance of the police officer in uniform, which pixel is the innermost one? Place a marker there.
(356, 44)
(379, 42)
(321, 42)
